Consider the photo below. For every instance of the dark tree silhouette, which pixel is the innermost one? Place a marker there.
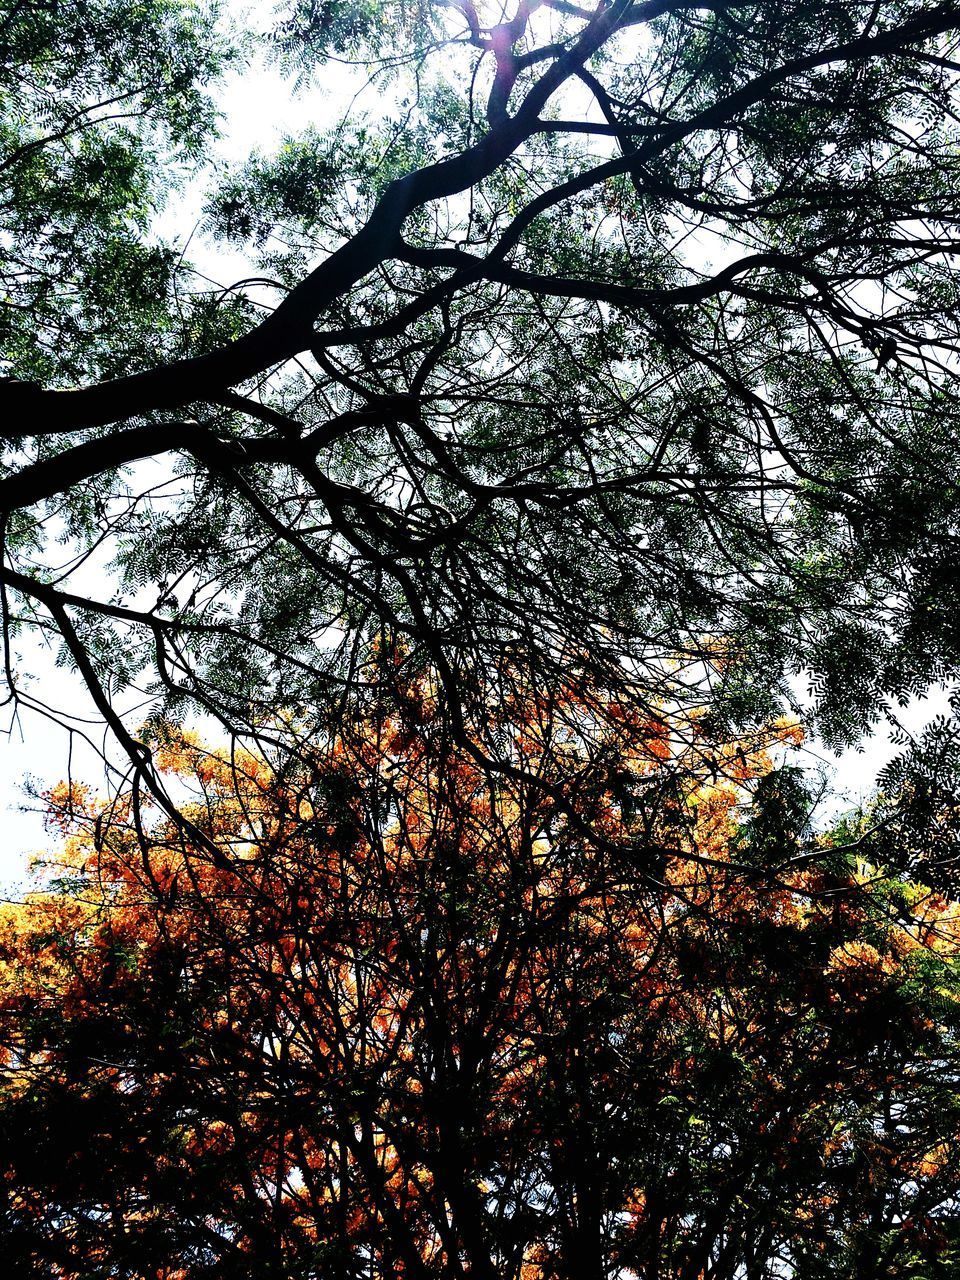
(422, 1028)
(618, 335)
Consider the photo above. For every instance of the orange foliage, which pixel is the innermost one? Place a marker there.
(540, 1020)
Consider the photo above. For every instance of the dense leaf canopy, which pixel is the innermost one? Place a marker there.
(420, 1028)
(618, 336)
(589, 390)
(101, 105)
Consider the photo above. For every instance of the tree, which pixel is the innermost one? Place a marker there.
(419, 1027)
(617, 336)
(103, 107)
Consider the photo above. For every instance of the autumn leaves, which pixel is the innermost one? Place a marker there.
(428, 1025)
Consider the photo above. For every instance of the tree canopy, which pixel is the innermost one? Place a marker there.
(419, 1028)
(103, 105)
(614, 335)
(588, 389)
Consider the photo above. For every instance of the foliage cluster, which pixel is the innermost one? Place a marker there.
(609, 355)
(419, 1025)
(621, 330)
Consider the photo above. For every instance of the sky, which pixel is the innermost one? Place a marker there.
(258, 107)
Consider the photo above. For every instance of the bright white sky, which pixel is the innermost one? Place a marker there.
(258, 108)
